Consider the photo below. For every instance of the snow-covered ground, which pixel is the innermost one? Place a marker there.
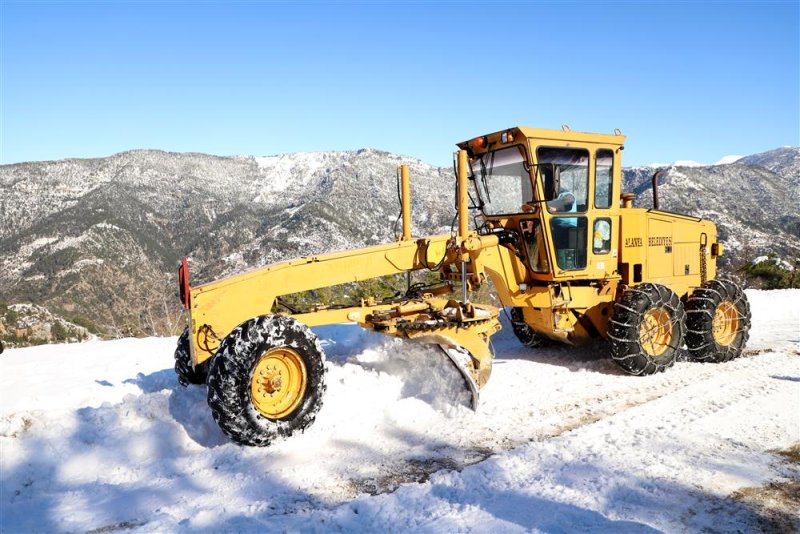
(100, 437)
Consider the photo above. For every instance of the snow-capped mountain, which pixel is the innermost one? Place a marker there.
(784, 161)
(99, 239)
(727, 160)
(686, 163)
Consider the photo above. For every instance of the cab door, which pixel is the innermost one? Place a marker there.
(605, 214)
(564, 175)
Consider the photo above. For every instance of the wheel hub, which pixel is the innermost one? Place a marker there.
(271, 381)
(726, 323)
(278, 383)
(655, 331)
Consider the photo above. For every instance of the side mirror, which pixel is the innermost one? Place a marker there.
(551, 179)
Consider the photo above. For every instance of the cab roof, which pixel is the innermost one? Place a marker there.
(557, 135)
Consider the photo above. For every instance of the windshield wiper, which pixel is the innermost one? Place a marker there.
(483, 175)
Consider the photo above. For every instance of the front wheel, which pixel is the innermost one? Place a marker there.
(266, 380)
(718, 321)
(647, 329)
(523, 331)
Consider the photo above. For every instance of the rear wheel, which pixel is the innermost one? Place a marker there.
(647, 329)
(718, 322)
(523, 331)
(187, 373)
(266, 380)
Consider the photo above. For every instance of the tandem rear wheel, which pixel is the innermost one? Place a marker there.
(650, 325)
(266, 380)
(647, 329)
(718, 322)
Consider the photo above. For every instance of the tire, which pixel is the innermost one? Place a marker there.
(187, 374)
(718, 322)
(523, 331)
(647, 329)
(266, 380)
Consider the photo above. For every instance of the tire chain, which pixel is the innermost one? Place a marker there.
(703, 265)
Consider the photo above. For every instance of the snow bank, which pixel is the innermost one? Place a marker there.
(100, 436)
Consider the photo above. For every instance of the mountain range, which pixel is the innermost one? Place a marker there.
(98, 240)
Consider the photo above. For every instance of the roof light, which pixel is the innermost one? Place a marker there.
(478, 142)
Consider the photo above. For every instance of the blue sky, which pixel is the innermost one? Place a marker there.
(682, 80)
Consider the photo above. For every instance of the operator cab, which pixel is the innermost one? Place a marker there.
(556, 189)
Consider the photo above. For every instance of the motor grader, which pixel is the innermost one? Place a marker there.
(570, 258)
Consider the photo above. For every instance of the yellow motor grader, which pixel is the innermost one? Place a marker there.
(566, 252)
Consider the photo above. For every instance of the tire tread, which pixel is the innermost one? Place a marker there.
(186, 373)
(624, 325)
(700, 308)
(229, 396)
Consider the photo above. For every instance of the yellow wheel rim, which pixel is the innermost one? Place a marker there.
(726, 323)
(278, 383)
(655, 331)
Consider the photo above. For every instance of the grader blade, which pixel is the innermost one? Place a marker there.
(463, 362)
(461, 330)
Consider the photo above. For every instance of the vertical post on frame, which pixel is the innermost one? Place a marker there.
(463, 216)
(463, 206)
(405, 184)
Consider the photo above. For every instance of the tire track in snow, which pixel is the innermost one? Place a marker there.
(586, 411)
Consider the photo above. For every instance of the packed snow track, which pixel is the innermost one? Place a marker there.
(100, 437)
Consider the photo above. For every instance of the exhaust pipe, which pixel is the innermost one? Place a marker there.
(658, 174)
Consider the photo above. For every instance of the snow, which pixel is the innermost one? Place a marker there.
(109, 226)
(727, 160)
(40, 242)
(278, 169)
(783, 264)
(80, 264)
(100, 436)
(682, 163)
(687, 163)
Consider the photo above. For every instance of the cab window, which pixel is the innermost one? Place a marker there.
(601, 236)
(565, 178)
(569, 239)
(603, 176)
(534, 245)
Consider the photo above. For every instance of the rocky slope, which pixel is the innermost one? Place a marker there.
(99, 239)
(29, 324)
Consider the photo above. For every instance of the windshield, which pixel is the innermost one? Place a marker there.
(501, 180)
